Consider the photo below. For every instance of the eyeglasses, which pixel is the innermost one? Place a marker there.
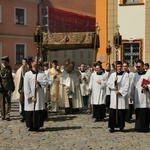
(124, 66)
(138, 66)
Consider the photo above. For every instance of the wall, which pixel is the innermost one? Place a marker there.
(101, 19)
(10, 33)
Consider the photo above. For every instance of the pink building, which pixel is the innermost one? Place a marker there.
(18, 20)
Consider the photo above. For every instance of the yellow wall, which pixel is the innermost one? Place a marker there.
(101, 19)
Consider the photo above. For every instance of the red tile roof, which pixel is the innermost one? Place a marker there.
(86, 7)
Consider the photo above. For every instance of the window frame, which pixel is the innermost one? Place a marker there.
(16, 52)
(0, 13)
(139, 41)
(25, 21)
(141, 2)
(1, 50)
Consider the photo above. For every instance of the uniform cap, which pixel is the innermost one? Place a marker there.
(5, 58)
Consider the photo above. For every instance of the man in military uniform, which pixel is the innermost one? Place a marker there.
(8, 87)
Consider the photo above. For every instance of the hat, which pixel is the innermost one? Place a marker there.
(55, 62)
(28, 58)
(5, 58)
(45, 64)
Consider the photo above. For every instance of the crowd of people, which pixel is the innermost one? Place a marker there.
(47, 87)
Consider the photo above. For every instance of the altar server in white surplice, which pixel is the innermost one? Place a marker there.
(85, 77)
(97, 87)
(129, 112)
(34, 96)
(122, 82)
(141, 98)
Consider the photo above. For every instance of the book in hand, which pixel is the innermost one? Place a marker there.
(145, 82)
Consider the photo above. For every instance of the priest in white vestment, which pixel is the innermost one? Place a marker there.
(55, 74)
(71, 93)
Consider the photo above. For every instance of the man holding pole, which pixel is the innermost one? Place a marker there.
(118, 83)
(34, 83)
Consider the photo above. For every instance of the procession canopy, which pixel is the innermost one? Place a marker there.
(69, 40)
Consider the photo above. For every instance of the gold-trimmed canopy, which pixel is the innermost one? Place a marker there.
(69, 40)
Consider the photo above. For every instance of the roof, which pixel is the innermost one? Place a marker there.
(86, 7)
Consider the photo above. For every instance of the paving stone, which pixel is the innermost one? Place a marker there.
(71, 132)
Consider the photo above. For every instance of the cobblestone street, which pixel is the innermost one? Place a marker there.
(69, 132)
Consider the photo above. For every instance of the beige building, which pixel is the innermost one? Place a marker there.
(133, 17)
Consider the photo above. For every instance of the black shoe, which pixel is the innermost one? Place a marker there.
(22, 120)
(102, 120)
(37, 130)
(111, 130)
(33, 129)
(93, 116)
(97, 120)
(121, 129)
(3, 118)
(8, 119)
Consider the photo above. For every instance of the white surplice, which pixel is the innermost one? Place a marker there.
(140, 98)
(29, 90)
(98, 91)
(70, 88)
(123, 88)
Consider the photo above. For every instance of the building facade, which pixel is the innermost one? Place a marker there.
(69, 16)
(18, 20)
(133, 17)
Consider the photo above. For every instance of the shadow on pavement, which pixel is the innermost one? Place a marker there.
(59, 128)
(61, 118)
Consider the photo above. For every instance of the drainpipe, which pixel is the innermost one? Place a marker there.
(38, 11)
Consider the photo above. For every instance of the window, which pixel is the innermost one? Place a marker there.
(0, 14)
(20, 16)
(56, 54)
(20, 53)
(81, 55)
(89, 55)
(131, 1)
(131, 52)
(73, 54)
(0, 50)
(65, 54)
(45, 18)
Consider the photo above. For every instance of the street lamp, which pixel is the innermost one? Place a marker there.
(96, 41)
(117, 41)
(38, 39)
(117, 44)
(108, 51)
(131, 41)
